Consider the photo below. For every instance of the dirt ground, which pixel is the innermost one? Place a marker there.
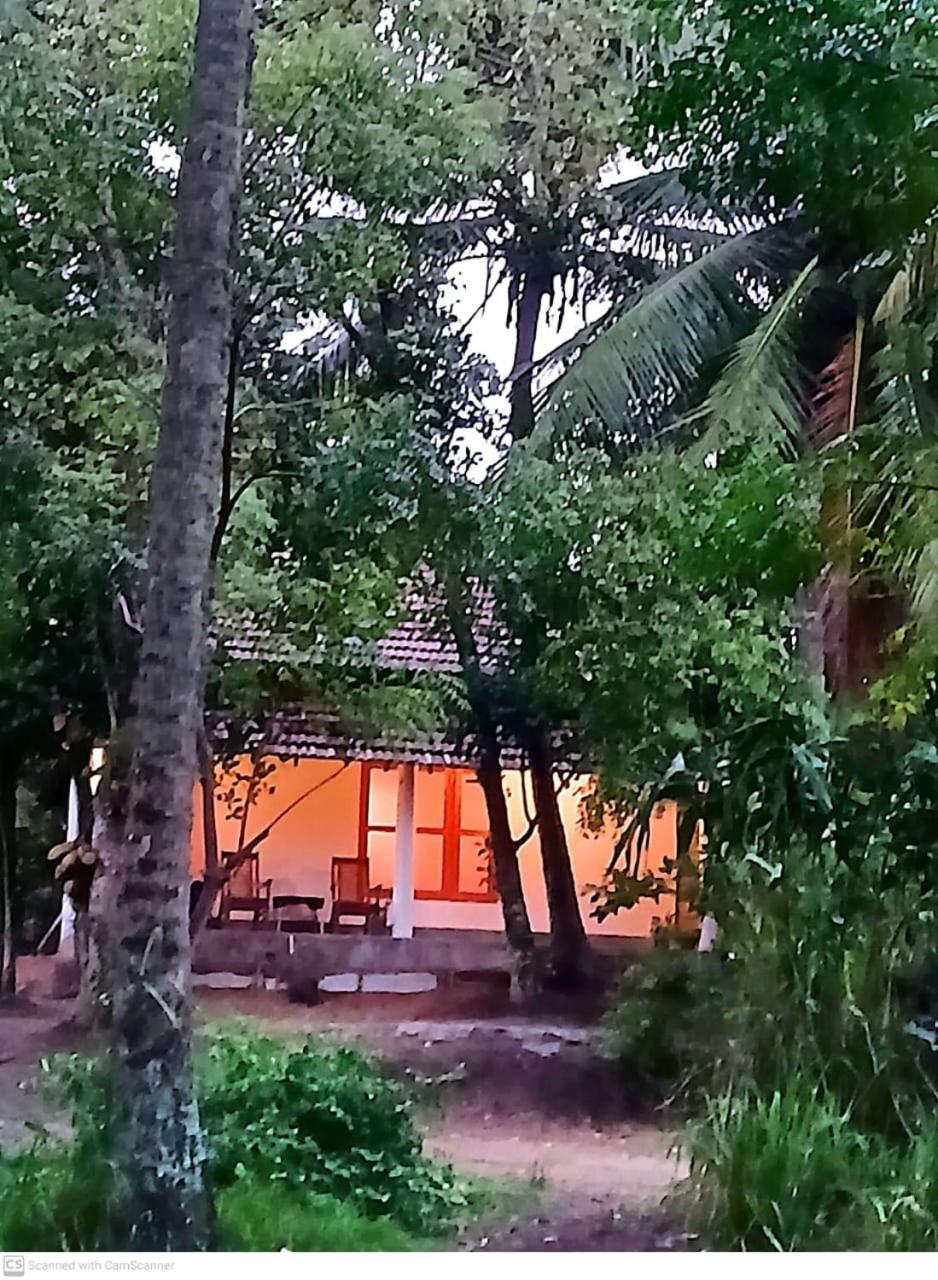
(522, 1097)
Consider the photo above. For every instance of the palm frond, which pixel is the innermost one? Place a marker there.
(760, 393)
(638, 360)
(915, 279)
(666, 194)
(924, 597)
(905, 405)
(669, 245)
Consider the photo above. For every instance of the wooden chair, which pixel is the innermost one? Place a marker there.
(354, 897)
(245, 891)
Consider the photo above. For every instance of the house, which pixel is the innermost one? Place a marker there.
(397, 823)
(411, 814)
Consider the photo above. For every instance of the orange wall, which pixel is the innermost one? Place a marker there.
(298, 853)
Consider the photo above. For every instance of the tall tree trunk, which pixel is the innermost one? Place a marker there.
(534, 286)
(518, 933)
(160, 1198)
(207, 788)
(570, 956)
(214, 874)
(8, 874)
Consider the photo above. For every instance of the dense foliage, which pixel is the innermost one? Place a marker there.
(326, 1119)
(665, 1028)
(828, 106)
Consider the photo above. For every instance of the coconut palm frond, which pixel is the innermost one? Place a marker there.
(667, 194)
(760, 393)
(904, 404)
(455, 236)
(640, 359)
(331, 350)
(923, 598)
(895, 300)
(671, 245)
(915, 279)
(896, 497)
(904, 393)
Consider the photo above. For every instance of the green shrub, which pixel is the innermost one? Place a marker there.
(809, 982)
(265, 1217)
(666, 1025)
(794, 1172)
(325, 1118)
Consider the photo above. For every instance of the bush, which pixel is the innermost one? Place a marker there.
(812, 981)
(821, 947)
(326, 1118)
(794, 1172)
(666, 1026)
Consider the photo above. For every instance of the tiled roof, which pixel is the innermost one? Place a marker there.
(302, 732)
(419, 641)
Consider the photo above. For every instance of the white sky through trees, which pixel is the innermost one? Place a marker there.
(486, 319)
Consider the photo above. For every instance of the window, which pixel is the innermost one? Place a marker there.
(452, 861)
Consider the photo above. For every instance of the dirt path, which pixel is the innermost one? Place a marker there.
(27, 1034)
(600, 1189)
(621, 1166)
(590, 1229)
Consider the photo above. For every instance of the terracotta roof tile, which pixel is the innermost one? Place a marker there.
(420, 641)
(305, 732)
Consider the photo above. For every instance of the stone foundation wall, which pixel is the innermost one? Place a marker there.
(302, 963)
(286, 956)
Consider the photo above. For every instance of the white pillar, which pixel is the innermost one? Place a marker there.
(67, 927)
(708, 934)
(402, 896)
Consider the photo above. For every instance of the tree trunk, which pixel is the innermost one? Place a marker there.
(214, 874)
(93, 924)
(521, 419)
(8, 870)
(518, 932)
(160, 1201)
(207, 787)
(570, 956)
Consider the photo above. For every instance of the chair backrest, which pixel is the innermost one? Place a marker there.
(349, 880)
(245, 881)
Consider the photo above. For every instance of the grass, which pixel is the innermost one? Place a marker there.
(793, 1172)
(267, 1217)
(45, 1206)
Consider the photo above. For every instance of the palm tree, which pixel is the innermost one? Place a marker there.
(839, 360)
